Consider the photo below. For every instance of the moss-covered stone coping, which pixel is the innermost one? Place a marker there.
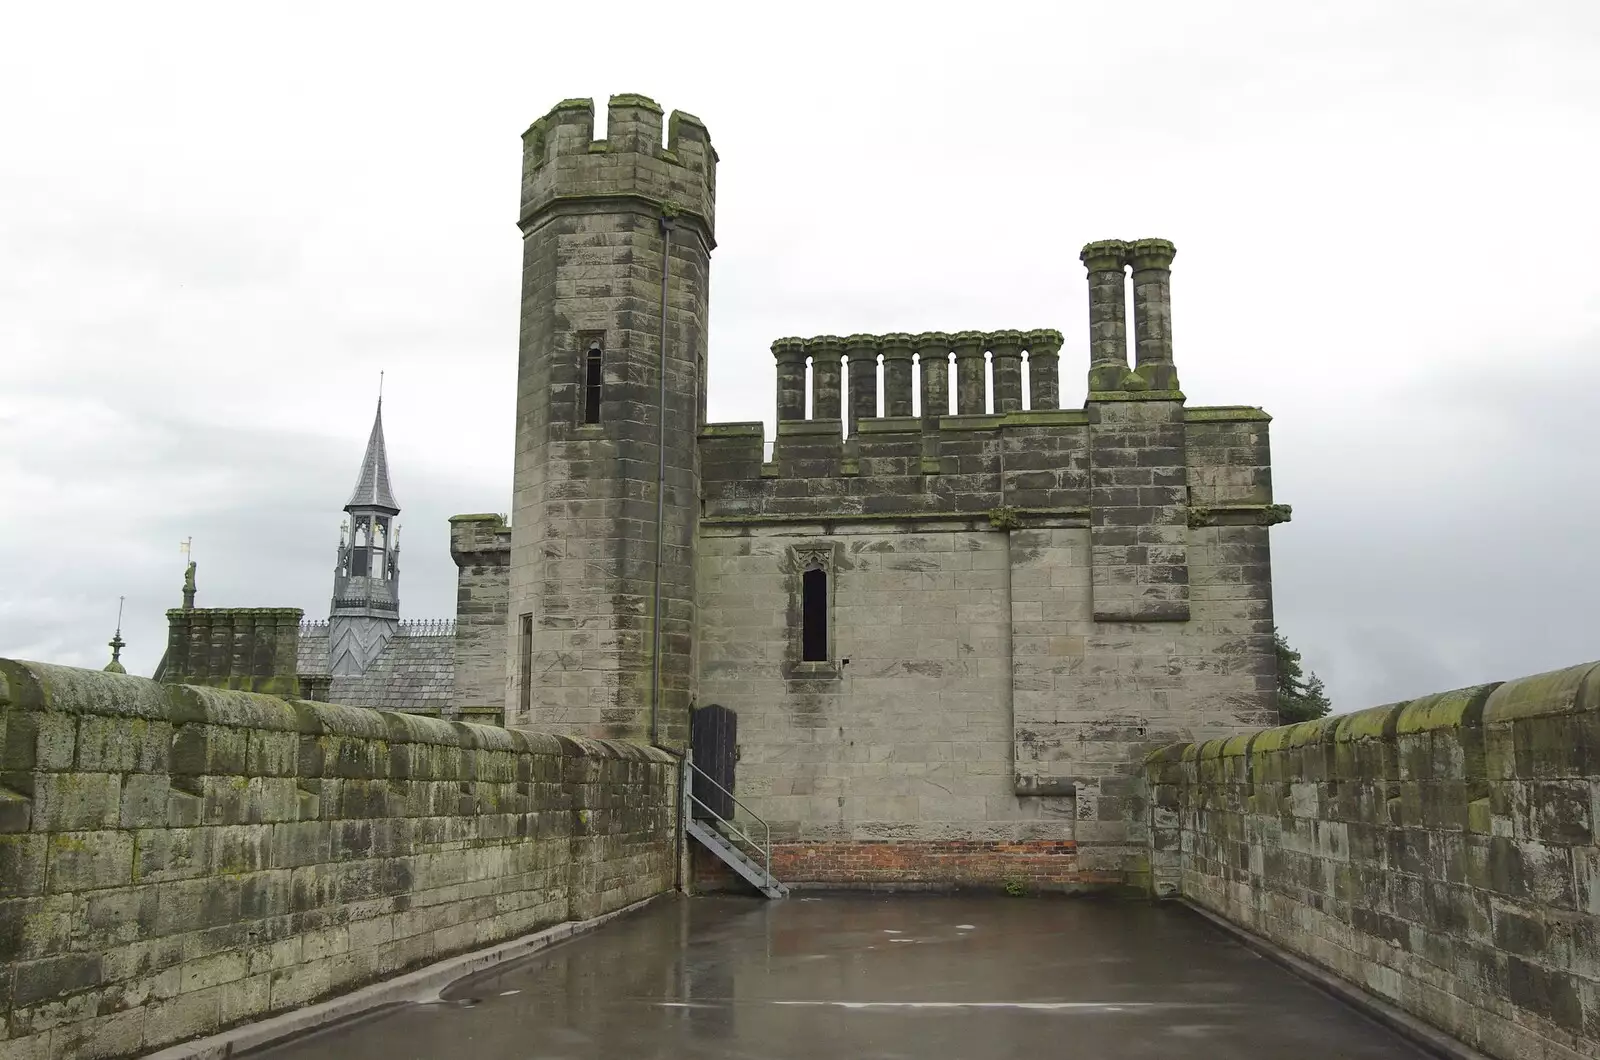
(1225, 414)
(1136, 395)
(889, 425)
(861, 345)
(1234, 514)
(43, 687)
(1444, 710)
(896, 345)
(747, 429)
(1044, 340)
(792, 427)
(1006, 341)
(1151, 254)
(634, 99)
(480, 517)
(1374, 723)
(977, 421)
(1047, 418)
(969, 343)
(1104, 254)
(1574, 690)
(789, 349)
(1048, 339)
(281, 614)
(821, 345)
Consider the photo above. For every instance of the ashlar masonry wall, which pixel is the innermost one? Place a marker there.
(175, 859)
(1438, 853)
(1011, 611)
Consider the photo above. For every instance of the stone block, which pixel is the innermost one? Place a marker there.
(22, 865)
(86, 861)
(68, 802)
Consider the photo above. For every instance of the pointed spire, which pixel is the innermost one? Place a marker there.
(372, 487)
(117, 644)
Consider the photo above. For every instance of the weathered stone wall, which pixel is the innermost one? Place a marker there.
(991, 696)
(481, 548)
(176, 859)
(1438, 853)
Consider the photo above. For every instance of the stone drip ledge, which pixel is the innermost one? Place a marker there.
(1429, 1039)
(419, 987)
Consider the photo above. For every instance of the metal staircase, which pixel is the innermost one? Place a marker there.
(740, 852)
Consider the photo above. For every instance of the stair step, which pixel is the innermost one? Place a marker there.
(736, 859)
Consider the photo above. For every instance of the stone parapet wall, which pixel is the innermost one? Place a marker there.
(1438, 853)
(177, 859)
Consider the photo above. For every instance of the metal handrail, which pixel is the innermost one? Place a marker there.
(766, 849)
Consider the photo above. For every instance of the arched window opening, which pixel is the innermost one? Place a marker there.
(591, 384)
(814, 616)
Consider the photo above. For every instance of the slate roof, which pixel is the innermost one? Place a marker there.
(372, 486)
(416, 672)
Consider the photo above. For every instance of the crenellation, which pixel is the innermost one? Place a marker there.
(1005, 348)
(861, 356)
(898, 354)
(827, 375)
(971, 372)
(1044, 389)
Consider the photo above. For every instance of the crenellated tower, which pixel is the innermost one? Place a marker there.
(366, 580)
(611, 389)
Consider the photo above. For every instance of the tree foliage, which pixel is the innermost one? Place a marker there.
(1300, 693)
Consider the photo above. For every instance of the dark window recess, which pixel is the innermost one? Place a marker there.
(525, 664)
(591, 385)
(814, 616)
(358, 562)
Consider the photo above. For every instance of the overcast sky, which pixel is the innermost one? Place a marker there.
(219, 222)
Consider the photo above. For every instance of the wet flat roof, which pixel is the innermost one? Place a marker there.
(877, 976)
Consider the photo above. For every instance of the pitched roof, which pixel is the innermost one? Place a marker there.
(372, 487)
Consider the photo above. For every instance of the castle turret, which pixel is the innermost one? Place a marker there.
(611, 385)
(366, 580)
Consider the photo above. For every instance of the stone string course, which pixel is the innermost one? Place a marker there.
(175, 860)
(1438, 853)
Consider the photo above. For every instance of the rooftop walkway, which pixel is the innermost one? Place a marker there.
(877, 976)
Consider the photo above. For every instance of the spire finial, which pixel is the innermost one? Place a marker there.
(117, 643)
(380, 388)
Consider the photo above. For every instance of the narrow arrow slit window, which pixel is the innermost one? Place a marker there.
(591, 382)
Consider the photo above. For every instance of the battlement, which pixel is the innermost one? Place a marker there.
(479, 538)
(666, 163)
(852, 366)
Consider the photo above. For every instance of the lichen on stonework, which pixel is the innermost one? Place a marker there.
(1273, 514)
(634, 99)
(1005, 517)
(1199, 516)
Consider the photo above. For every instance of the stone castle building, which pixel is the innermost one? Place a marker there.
(948, 623)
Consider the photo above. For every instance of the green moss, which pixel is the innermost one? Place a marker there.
(1225, 414)
(1147, 395)
(753, 429)
(1444, 710)
(478, 517)
(1005, 517)
(1047, 418)
(1374, 723)
(1273, 514)
(1574, 690)
(634, 99)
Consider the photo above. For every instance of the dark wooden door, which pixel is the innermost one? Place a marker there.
(713, 739)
